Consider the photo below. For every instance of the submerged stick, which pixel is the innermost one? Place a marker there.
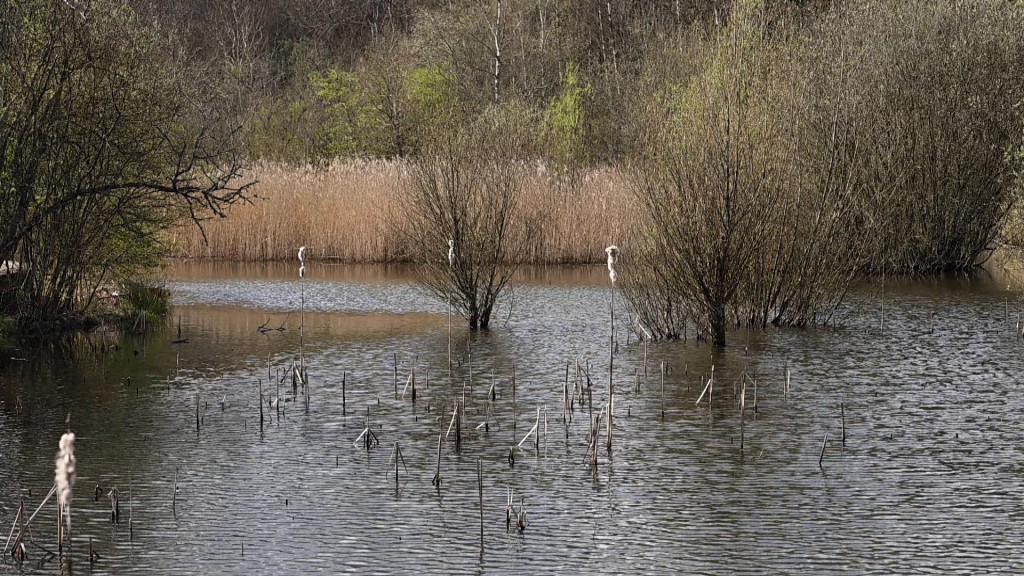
(344, 374)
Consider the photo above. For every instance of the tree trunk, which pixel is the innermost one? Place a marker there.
(485, 318)
(718, 325)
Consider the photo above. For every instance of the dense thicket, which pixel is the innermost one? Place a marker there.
(106, 138)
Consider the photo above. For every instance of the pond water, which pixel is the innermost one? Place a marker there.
(928, 479)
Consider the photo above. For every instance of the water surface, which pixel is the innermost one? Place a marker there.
(927, 481)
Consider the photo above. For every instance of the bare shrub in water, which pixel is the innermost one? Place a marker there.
(937, 87)
(747, 211)
(467, 189)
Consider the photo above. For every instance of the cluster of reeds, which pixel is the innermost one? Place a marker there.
(346, 212)
(337, 210)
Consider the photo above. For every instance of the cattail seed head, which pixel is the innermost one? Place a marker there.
(64, 474)
(613, 254)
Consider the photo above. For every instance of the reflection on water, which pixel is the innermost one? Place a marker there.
(927, 481)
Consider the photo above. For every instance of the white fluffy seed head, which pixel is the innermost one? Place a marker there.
(302, 254)
(64, 474)
(613, 254)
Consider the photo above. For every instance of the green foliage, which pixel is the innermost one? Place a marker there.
(355, 124)
(151, 299)
(432, 101)
(565, 120)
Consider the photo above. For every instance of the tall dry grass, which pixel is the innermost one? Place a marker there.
(579, 215)
(337, 212)
(344, 212)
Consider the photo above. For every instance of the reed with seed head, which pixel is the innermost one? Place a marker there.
(64, 477)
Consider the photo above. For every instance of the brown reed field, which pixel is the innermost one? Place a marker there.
(345, 212)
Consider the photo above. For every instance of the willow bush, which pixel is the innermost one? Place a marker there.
(467, 189)
(937, 89)
(747, 204)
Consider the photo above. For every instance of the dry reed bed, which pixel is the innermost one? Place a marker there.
(344, 212)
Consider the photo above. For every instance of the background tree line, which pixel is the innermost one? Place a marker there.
(774, 148)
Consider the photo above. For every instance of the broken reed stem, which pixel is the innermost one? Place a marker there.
(480, 499)
(395, 355)
(513, 401)
(449, 336)
(645, 363)
(261, 403)
(459, 409)
(595, 427)
(785, 388)
(743, 405)
(709, 388)
(663, 390)
(455, 415)
(344, 375)
(396, 455)
(821, 456)
(842, 417)
(611, 369)
(436, 481)
(881, 322)
(565, 400)
(174, 495)
(408, 382)
(18, 516)
(536, 434)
